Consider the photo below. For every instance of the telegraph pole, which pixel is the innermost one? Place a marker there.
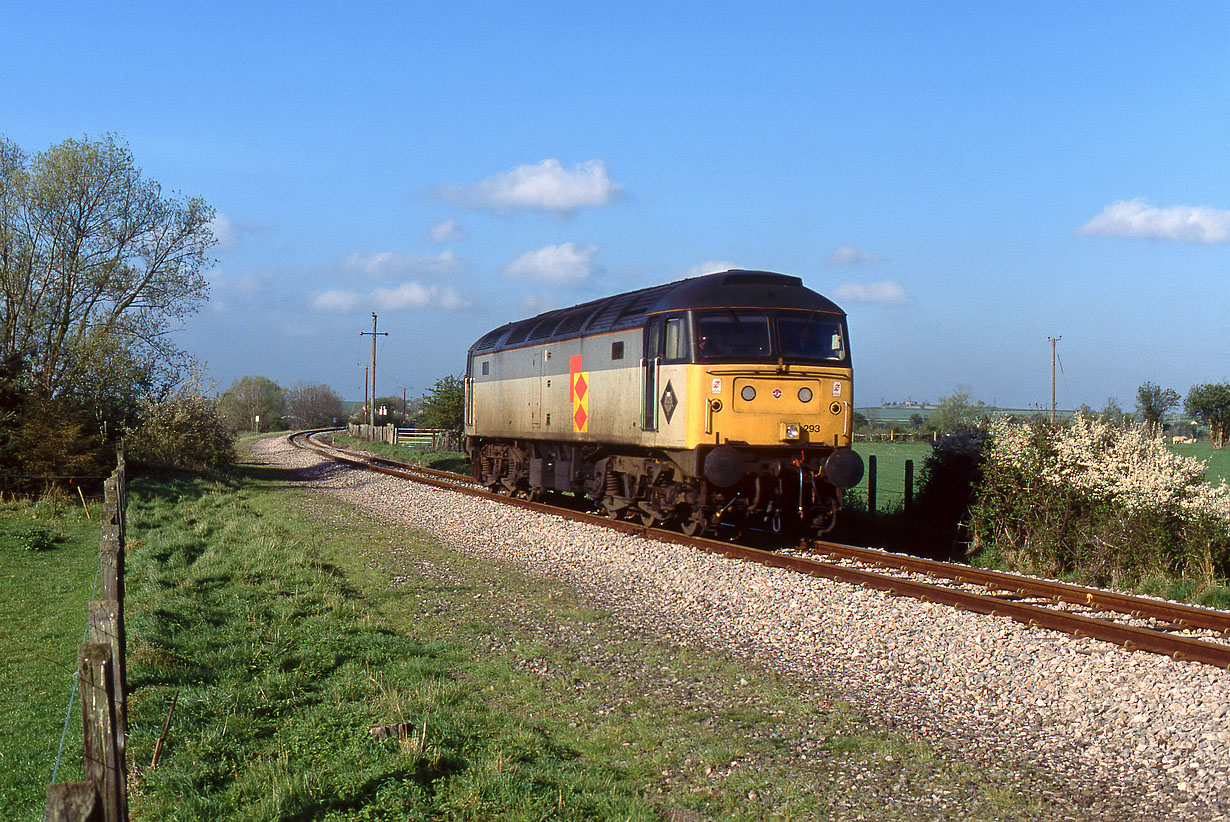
(371, 412)
(1053, 340)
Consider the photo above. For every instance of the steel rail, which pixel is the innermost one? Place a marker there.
(1179, 615)
(1130, 637)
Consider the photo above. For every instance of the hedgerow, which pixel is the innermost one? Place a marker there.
(183, 431)
(1103, 502)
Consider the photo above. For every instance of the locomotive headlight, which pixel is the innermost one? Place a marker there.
(790, 431)
(804, 394)
(748, 393)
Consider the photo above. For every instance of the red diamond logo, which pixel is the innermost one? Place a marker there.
(581, 385)
(580, 417)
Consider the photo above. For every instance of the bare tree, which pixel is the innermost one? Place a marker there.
(314, 406)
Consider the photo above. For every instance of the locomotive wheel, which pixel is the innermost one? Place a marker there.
(693, 525)
(648, 519)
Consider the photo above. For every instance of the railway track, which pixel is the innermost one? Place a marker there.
(1183, 632)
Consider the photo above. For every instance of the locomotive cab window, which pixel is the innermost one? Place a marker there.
(811, 336)
(617, 350)
(668, 339)
(735, 335)
(676, 340)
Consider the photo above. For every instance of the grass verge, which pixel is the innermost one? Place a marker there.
(48, 559)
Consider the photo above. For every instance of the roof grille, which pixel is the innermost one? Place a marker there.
(748, 278)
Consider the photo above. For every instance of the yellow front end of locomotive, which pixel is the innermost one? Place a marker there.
(763, 407)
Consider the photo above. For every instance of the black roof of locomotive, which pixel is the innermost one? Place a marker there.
(727, 289)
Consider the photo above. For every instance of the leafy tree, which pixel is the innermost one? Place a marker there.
(313, 406)
(1153, 402)
(249, 398)
(52, 446)
(1113, 413)
(444, 405)
(13, 404)
(1209, 404)
(957, 412)
(95, 263)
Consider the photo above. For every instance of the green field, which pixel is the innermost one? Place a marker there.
(1218, 459)
(891, 458)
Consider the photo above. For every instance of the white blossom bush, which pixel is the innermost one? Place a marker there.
(1099, 500)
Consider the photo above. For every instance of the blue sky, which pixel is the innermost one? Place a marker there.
(964, 179)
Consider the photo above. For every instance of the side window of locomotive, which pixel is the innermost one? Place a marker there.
(486, 367)
(733, 335)
(809, 337)
(653, 340)
(617, 350)
(676, 342)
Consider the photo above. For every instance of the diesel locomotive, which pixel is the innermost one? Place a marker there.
(725, 399)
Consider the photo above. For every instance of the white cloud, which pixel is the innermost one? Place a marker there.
(566, 264)
(882, 293)
(547, 186)
(387, 264)
(711, 267)
(225, 231)
(1136, 218)
(447, 231)
(337, 301)
(849, 255)
(409, 294)
(406, 295)
(416, 295)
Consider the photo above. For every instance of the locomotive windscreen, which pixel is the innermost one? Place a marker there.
(754, 335)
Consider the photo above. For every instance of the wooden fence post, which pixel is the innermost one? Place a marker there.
(73, 802)
(106, 627)
(871, 484)
(112, 559)
(102, 763)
